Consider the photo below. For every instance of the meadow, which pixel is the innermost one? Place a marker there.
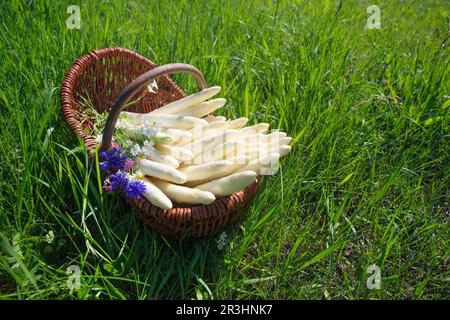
(367, 182)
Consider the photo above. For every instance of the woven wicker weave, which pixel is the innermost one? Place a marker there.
(101, 76)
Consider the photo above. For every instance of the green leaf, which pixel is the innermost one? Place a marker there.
(322, 254)
(346, 178)
(446, 104)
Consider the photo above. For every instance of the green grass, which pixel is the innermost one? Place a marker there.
(367, 181)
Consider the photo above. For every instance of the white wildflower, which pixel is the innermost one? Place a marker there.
(136, 150)
(222, 241)
(138, 175)
(129, 175)
(148, 147)
(99, 138)
(150, 131)
(49, 237)
(121, 124)
(146, 131)
(152, 86)
(157, 126)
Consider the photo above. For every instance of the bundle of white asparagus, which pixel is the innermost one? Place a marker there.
(201, 156)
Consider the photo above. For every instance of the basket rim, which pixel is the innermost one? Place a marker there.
(176, 214)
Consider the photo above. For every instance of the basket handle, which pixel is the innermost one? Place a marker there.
(136, 85)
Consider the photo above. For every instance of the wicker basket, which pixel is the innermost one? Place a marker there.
(109, 78)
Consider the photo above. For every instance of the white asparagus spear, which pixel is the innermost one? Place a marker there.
(254, 150)
(180, 136)
(203, 145)
(223, 137)
(284, 150)
(236, 164)
(161, 157)
(219, 152)
(285, 140)
(276, 134)
(260, 149)
(266, 165)
(212, 118)
(202, 109)
(204, 171)
(181, 154)
(237, 123)
(243, 148)
(229, 184)
(239, 161)
(186, 102)
(204, 131)
(182, 194)
(155, 195)
(208, 129)
(166, 120)
(275, 144)
(260, 137)
(164, 138)
(161, 171)
(257, 128)
(199, 143)
(268, 144)
(173, 121)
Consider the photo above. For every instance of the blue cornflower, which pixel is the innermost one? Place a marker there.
(118, 181)
(114, 160)
(104, 166)
(135, 189)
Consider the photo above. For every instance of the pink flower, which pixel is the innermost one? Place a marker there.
(128, 165)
